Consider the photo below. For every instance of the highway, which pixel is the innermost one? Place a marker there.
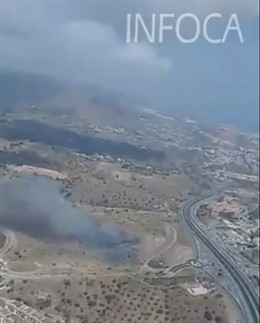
(246, 294)
(242, 290)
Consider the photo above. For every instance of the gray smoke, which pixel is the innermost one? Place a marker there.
(36, 207)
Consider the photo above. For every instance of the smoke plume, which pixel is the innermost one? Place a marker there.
(36, 207)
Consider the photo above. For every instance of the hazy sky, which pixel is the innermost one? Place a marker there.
(86, 41)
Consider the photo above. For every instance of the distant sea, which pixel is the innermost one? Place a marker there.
(246, 124)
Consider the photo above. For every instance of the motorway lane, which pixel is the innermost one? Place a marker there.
(248, 297)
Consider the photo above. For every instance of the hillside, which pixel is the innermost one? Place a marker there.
(101, 106)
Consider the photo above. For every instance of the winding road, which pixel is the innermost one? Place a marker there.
(242, 290)
(245, 292)
(9, 242)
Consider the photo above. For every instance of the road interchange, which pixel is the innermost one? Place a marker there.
(246, 295)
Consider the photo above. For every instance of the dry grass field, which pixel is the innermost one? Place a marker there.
(82, 285)
(107, 184)
(118, 300)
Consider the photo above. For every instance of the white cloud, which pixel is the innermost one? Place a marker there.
(84, 50)
(86, 32)
(201, 8)
(85, 40)
(142, 54)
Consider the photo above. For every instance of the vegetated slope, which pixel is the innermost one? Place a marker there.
(19, 90)
(28, 157)
(99, 105)
(37, 131)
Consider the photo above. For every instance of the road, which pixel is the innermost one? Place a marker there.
(9, 242)
(168, 245)
(246, 294)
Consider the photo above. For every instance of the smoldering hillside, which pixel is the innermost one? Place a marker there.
(36, 207)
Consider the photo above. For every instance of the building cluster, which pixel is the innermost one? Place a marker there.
(241, 177)
(222, 155)
(227, 206)
(12, 311)
(240, 232)
(232, 223)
